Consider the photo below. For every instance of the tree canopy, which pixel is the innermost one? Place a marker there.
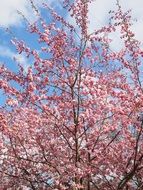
(73, 120)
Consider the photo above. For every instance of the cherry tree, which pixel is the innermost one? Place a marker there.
(73, 120)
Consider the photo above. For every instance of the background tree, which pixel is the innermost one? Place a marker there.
(73, 120)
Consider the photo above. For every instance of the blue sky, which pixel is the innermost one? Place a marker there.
(98, 15)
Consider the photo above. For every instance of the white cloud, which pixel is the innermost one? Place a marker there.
(98, 13)
(6, 52)
(98, 16)
(9, 8)
(8, 12)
